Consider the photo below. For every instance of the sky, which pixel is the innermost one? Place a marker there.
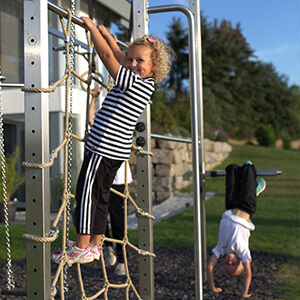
(271, 27)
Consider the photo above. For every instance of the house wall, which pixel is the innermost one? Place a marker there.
(12, 47)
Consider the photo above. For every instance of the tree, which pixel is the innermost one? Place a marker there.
(171, 108)
(280, 105)
(239, 91)
(178, 39)
(162, 118)
(226, 55)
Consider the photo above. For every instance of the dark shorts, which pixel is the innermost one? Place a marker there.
(92, 193)
(241, 188)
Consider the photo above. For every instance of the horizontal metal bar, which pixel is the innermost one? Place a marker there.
(63, 13)
(122, 44)
(168, 8)
(60, 35)
(258, 173)
(170, 138)
(10, 85)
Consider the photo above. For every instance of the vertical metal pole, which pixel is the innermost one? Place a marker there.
(37, 148)
(144, 174)
(195, 9)
(196, 143)
(197, 136)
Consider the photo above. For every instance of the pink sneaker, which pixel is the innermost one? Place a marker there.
(96, 251)
(71, 243)
(75, 255)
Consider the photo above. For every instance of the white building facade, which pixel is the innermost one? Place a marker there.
(110, 13)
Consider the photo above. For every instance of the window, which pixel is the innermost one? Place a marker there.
(11, 40)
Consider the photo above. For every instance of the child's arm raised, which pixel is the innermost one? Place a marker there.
(246, 280)
(103, 49)
(111, 43)
(210, 274)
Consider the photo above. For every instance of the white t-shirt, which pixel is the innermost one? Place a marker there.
(234, 234)
(120, 176)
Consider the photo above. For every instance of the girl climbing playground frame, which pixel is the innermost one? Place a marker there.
(37, 145)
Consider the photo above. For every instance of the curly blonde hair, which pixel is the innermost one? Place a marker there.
(162, 55)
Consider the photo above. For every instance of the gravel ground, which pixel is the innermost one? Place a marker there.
(174, 277)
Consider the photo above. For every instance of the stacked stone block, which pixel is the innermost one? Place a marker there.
(172, 168)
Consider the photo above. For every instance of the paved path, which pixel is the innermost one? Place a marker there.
(164, 210)
(168, 208)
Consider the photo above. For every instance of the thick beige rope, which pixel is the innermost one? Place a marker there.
(140, 151)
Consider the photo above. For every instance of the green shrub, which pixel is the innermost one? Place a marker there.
(12, 178)
(265, 135)
(58, 190)
(286, 140)
(215, 134)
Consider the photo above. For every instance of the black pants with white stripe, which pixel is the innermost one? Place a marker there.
(116, 212)
(92, 193)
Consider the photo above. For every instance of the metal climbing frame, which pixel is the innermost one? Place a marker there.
(144, 176)
(143, 161)
(37, 145)
(37, 148)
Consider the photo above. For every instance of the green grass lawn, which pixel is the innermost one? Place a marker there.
(277, 218)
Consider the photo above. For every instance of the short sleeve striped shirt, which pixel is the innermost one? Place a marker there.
(112, 131)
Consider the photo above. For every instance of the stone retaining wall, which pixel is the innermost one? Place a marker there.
(172, 166)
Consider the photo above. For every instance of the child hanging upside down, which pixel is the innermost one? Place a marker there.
(242, 188)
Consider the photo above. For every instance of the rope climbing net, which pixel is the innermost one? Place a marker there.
(67, 195)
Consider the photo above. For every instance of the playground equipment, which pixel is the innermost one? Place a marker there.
(35, 25)
(35, 288)
(37, 146)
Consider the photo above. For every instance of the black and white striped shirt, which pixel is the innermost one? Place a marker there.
(112, 131)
